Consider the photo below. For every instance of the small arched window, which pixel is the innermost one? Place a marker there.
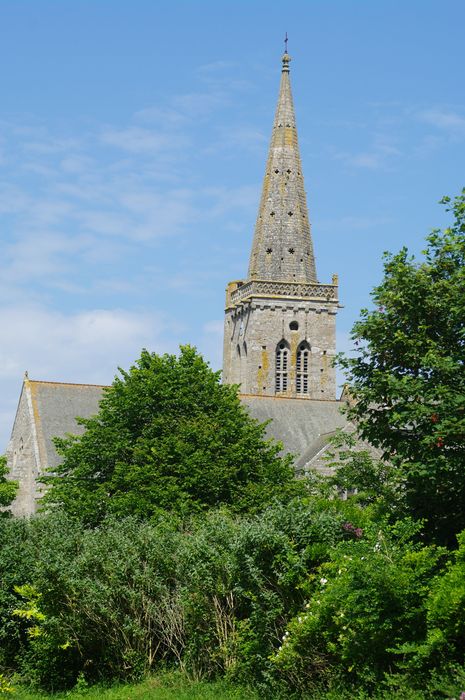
(282, 366)
(302, 367)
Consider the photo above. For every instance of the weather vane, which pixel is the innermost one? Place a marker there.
(285, 43)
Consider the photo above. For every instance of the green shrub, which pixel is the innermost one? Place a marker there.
(364, 603)
(444, 645)
(17, 563)
(212, 597)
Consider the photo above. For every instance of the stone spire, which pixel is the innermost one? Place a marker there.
(282, 248)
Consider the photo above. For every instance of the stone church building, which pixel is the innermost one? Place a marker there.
(279, 334)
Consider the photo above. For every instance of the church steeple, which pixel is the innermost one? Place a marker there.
(279, 331)
(282, 248)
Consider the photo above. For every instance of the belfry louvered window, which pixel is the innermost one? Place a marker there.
(301, 367)
(282, 366)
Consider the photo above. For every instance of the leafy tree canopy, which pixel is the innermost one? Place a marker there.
(408, 379)
(169, 436)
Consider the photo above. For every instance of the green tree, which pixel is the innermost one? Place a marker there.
(8, 488)
(408, 379)
(169, 436)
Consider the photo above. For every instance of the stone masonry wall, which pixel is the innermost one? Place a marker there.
(253, 331)
(22, 459)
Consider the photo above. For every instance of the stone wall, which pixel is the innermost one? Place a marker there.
(22, 457)
(255, 327)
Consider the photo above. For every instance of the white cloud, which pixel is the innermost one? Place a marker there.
(50, 145)
(135, 139)
(81, 212)
(167, 118)
(12, 199)
(36, 255)
(242, 137)
(200, 104)
(379, 157)
(87, 346)
(223, 200)
(445, 119)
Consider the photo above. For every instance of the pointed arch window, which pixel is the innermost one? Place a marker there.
(282, 366)
(302, 368)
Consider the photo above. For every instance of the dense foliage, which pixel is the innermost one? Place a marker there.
(117, 601)
(8, 488)
(169, 436)
(366, 601)
(408, 378)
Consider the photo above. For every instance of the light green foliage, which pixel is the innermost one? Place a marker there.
(30, 610)
(5, 686)
(368, 599)
(8, 488)
(408, 379)
(169, 436)
(16, 564)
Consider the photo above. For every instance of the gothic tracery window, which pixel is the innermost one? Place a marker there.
(282, 366)
(302, 367)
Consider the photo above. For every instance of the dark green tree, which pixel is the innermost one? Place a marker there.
(169, 436)
(8, 488)
(408, 378)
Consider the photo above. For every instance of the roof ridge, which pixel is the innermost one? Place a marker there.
(44, 381)
(287, 398)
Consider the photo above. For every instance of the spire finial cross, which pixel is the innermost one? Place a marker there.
(285, 43)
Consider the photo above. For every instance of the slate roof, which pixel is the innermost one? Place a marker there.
(304, 426)
(55, 407)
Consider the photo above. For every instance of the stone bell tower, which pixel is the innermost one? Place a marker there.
(279, 333)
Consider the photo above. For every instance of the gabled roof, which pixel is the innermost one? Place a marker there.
(304, 426)
(55, 407)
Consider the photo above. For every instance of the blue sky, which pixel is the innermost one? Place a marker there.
(133, 138)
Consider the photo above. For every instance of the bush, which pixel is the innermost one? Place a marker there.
(364, 603)
(212, 597)
(444, 645)
(16, 567)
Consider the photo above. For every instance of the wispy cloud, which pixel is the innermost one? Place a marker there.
(380, 156)
(443, 119)
(135, 139)
(86, 211)
(85, 346)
